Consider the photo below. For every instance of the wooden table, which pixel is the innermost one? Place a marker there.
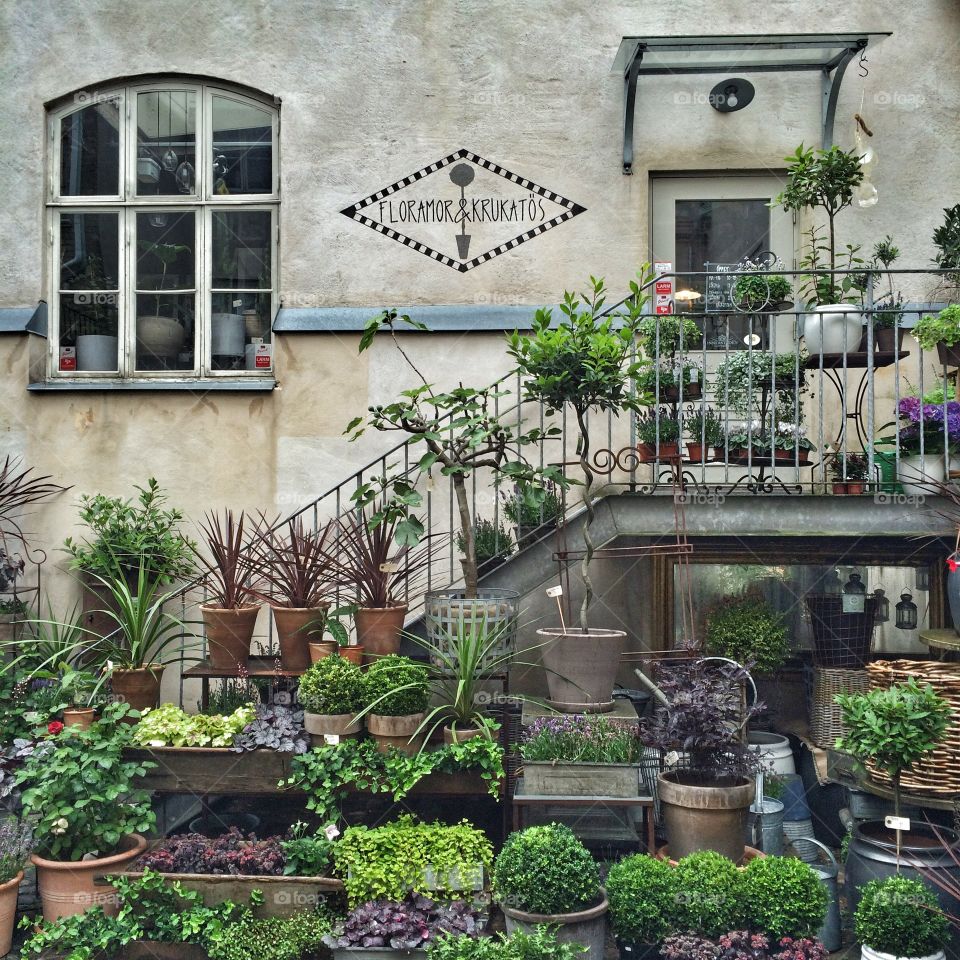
(522, 800)
(261, 667)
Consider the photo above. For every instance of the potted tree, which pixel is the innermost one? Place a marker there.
(396, 698)
(705, 799)
(545, 875)
(899, 918)
(584, 362)
(943, 333)
(332, 693)
(16, 843)
(232, 581)
(72, 784)
(825, 180)
(298, 572)
(893, 728)
(642, 891)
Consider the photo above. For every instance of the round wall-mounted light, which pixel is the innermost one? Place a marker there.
(730, 95)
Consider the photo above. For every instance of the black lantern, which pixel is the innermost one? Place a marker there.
(906, 613)
(923, 579)
(882, 614)
(854, 594)
(831, 583)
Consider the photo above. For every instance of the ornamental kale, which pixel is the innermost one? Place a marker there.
(403, 926)
(276, 728)
(582, 738)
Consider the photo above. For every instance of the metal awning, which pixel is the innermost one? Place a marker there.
(827, 53)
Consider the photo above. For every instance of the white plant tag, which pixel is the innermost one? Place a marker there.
(390, 566)
(555, 591)
(897, 823)
(331, 739)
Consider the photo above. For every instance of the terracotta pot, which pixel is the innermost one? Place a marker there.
(80, 717)
(67, 887)
(696, 452)
(719, 453)
(855, 488)
(699, 817)
(396, 732)
(229, 633)
(459, 734)
(887, 338)
(320, 650)
(140, 688)
(586, 927)
(295, 627)
(378, 629)
(839, 489)
(646, 452)
(8, 912)
(691, 391)
(669, 450)
(354, 653)
(581, 668)
(749, 853)
(322, 725)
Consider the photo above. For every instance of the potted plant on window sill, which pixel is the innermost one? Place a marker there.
(332, 693)
(396, 698)
(595, 352)
(159, 336)
(71, 785)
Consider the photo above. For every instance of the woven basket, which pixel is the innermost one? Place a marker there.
(939, 771)
(826, 717)
(840, 640)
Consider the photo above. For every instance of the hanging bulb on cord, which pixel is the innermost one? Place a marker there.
(866, 194)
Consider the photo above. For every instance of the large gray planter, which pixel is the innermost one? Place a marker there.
(582, 779)
(586, 927)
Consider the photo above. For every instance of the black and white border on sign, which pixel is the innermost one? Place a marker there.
(571, 210)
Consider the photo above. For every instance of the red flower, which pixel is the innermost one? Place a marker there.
(952, 564)
(54, 727)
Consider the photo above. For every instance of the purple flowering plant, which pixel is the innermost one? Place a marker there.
(582, 738)
(933, 422)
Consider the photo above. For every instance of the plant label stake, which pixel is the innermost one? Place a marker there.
(557, 592)
(899, 824)
(331, 739)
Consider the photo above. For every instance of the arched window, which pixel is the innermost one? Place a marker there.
(163, 200)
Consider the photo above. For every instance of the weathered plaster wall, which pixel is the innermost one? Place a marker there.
(373, 91)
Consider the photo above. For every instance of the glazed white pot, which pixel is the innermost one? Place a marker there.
(833, 328)
(868, 953)
(158, 336)
(917, 473)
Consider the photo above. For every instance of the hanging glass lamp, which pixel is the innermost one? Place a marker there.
(923, 579)
(906, 613)
(882, 614)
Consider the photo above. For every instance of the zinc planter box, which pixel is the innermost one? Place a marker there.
(378, 953)
(546, 778)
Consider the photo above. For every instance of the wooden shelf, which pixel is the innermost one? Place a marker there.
(854, 361)
(255, 667)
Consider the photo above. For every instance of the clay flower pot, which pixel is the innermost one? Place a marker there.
(81, 717)
(459, 734)
(229, 633)
(323, 725)
(320, 650)
(581, 668)
(378, 629)
(67, 887)
(8, 912)
(585, 927)
(354, 653)
(140, 688)
(396, 731)
(295, 627)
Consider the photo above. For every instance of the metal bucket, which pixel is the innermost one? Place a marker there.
(830, 933)
(769, 814)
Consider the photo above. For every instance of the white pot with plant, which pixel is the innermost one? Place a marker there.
(160, 336)
(899, 918)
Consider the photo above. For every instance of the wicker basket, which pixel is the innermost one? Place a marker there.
(939, 772)
(840, 640)
(826, 718)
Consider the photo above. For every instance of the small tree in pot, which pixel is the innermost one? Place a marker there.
(397, 694)
(332, 693)
(706, 798)
(900, 917)
(585, 362)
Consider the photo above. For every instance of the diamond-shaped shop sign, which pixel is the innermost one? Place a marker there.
(463, 210)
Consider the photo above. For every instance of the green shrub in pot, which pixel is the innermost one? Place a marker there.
(710, 894)
(542, 944)
(759, 291)
(643, 895)
(396, 686)
(784, 898)
(333, 685)
(943, 328)
(900, 917)
(749, 631)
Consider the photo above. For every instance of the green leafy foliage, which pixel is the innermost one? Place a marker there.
(946, 239)
(391, 861)
(125, 535)
(492, 541)
(306, 854)
(660, 335)
(396, 686)
(79, 790)
(760, 291)
(273, 938)
(710, 894)
(943, 328)
(169, 726)
(642, 891)
(540, 944)
(582, 738)
(784, 898)
(546, 870)
(533, 504)
(758, 384)
(705, 426)
(901, 917)
(749, 631)
(664, 425)
(333, 685)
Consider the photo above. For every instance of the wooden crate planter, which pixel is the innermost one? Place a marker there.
(282, 896)
(213, 770)
(378, 953)
(546, 778)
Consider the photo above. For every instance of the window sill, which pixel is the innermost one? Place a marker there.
(235, 385)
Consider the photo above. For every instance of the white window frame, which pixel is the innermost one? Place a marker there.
(203, 204)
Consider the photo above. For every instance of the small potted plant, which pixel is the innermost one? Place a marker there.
(643, 893)
(705, 430)
(761, 293)
(850, 473)
(704, 801)
(545, 875)
(339, 642)
(789, 445)
(711, 899)
(748, 630)
(942, 332)
(533, 509)
(16, 843)
(784, 897)
(71, 788)
(663, 335)
(396, 698)
(332, 693)
(670, 381)
(298, 572)
(888, 309)
(898, 918)
(233, 583)
(748, 445)
(658, 436)
(493, 544)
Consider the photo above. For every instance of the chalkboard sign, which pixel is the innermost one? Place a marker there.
(720, 280)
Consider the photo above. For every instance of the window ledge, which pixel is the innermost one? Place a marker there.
(235, 385)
